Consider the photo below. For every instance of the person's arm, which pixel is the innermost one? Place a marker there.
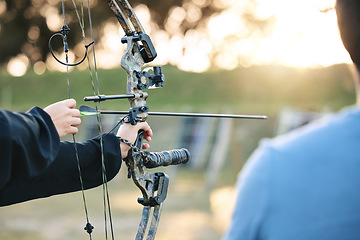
(62, 176)
(28, 143)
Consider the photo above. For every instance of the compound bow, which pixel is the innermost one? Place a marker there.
(140, 50)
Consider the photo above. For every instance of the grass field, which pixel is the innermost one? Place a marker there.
(257, 89)
(192, 211)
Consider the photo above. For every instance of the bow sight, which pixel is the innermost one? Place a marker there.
(157, 79)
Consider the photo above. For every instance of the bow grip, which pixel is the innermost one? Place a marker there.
(139, 138)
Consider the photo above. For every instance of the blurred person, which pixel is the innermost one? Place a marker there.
(305, 184)
(34, 163)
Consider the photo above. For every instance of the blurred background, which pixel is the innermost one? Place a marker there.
(279, 58)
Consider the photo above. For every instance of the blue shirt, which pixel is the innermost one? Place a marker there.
(302, 185)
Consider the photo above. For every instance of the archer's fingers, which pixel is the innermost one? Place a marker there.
(145, 126)
(75, 121)
(71, 103)
(74, 113)
(145, 146)
(147, 138)
(73, 130)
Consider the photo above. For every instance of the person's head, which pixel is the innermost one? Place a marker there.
(348, 15)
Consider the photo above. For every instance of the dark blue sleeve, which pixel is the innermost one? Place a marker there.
(28, 144)
(60, 173)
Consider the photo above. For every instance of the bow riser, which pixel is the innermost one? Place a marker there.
(132, 63)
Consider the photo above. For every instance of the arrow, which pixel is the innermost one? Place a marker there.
(87, 111)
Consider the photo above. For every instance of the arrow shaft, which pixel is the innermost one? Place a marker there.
(171, 114)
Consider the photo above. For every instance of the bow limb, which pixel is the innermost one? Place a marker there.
(120, 16)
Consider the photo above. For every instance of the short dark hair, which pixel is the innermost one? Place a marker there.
(348, 17)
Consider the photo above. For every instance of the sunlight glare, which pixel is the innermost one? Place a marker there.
(39, 67)
(18, 65)
(224, 24)
(2, 7)
(53, 18)
(226, 60)
(197, 49)
(143, 13)
(193, 12)
(53, 65)
(106, 59)
(303, 36)
(161, 39)
(112, 38)
(176, 17)
(200, 3)
(109, 48)
(175, 49)
(299, 34)
(34, 33)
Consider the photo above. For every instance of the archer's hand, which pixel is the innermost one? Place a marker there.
(129, 132)
(64, 116)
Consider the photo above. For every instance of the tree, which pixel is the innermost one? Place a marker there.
(26, 25)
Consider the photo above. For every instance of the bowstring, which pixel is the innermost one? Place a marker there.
(106, 197)
(73, 135)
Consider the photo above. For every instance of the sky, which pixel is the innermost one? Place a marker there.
(304, 34)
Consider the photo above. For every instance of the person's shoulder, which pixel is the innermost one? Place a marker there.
(320, 139)
(319, 132)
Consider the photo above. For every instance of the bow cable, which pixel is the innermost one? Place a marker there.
(106, 195)
(106, 198)
(88, 226)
